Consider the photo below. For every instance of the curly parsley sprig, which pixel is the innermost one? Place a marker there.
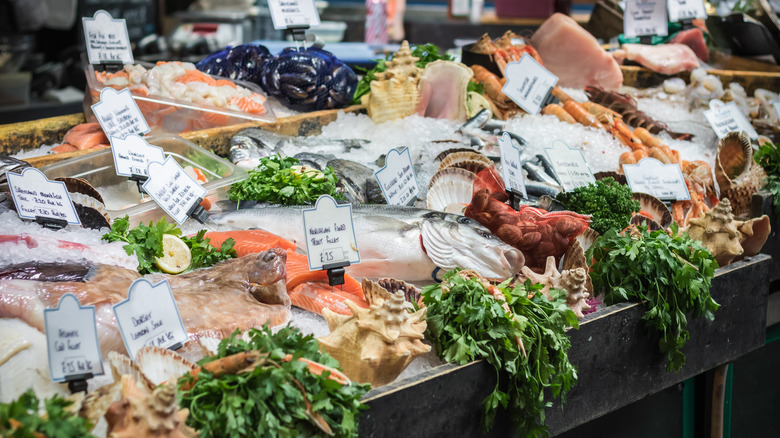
(20, 418)
(608, 202)
(528, 343)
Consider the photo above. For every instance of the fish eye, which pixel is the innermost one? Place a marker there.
(269, 257)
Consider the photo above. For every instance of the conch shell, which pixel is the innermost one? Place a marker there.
(754, 233)
(573, 281)
(148, 414)
(383, 289)
(738, 176)
(374, 345)
(394, 93)
(717, 230)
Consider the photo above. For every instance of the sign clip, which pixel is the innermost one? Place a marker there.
(51, 223)
(139, 181)
(78, 382)
(111, 66)
(197, 212)
(336, 273)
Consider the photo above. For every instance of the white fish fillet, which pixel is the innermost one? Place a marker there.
(667, 59)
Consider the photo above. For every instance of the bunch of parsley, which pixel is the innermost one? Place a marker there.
(267, 401)
(768, 156)
(467, 323)
(670, 274)
(146, 243)
(275, 181)
(426, 52)
(20, 419)
(608, 202)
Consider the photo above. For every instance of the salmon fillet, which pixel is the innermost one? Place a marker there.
(85, 136)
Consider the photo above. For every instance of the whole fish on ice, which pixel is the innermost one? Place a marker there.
(403, 243)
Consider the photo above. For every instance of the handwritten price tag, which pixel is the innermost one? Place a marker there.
(118, 114)
(570, 166)
(71, 339)
(664, 181)
(727, 117)
(680, 10)
(132, 155)
(397, 180)
(106, 39)
(330, 234)
(644, 17)
(528, 83)
(34, 195)
(171, 188)
(511, 165)
(149, 316)
(293, 13)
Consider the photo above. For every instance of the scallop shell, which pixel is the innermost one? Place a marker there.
(456, 158)
(575, 256)
(384, 288)
(122, 365)
(80, 185)
(161, 365)
(619, 177)
(450, 190)
(659, 211)
(450, 151)
(738, 176)
(394, 93)
(640, 219)
(90, 207)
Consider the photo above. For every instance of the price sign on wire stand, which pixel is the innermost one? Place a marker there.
(682, 10)
(175, 191)
(330, 238)
(132, 155)
(397, 179)
(727, 117)
(106, 39)
(37, 198)
(149, 316)
(511, 166)
(569, 165)
(118, 114)
(287, 13)
(664, 181)
(529, 84)
(71, 340)
(645, 18)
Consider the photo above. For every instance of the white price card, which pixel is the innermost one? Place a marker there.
(71, 339)
(776, 106)
(106, 39)
(528, 83)
(286, 13)
(171, 188)
(727, 117)
(149, 316)
(133, 154)
(570, 166)
(34, 195)
(511, 165)
(397, 179)
(664, 181)
(645, 17)
(680, 10)
(118, 114)
(330, 234)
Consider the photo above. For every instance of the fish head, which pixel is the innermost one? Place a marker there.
(267, 277)
(453, 245)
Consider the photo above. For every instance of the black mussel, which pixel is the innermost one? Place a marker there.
(244, 62)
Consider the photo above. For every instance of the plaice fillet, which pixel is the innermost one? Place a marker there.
(574, 55)
(667, 59)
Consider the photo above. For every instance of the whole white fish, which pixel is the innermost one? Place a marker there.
(403, 243)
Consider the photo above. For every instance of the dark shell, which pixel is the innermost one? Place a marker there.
(309, 80)
(80, 185)
(91, 218)
(410, 292)
(244, 62)
(619, 177)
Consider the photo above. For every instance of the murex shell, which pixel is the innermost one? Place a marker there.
(450, 190)
(394, 93)
(738, 176)
(573, 281)
(385, 288)
(717, 230)
(374, 345)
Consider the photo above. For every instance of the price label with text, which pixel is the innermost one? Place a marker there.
(528, 83)
(511, 165)
(644, 17)
(171, 188)
(397, 179)
(286, 13)
(106, 39)
(34, 195)
(664, 181)
(149, 316)
(133, 154)
(118, 114)
(727, 117)
(330, 234)
(71, 340)
(680, 10)
(570, 166)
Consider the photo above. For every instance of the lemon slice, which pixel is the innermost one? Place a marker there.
(176, 255)
(477, 103)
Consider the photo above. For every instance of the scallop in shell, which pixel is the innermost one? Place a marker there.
(738, 176)
(444, 154)
(89, 205)
(456, 158)
(450, 190)
(161, 365)
(659, 212)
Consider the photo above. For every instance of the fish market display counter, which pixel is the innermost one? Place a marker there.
(618, 364)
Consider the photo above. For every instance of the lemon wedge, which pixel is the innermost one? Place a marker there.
(176, 255)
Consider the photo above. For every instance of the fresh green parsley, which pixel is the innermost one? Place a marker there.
(608, 202)
(20, 419)
(768, 156)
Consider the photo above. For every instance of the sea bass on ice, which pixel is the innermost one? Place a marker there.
(403, 243)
